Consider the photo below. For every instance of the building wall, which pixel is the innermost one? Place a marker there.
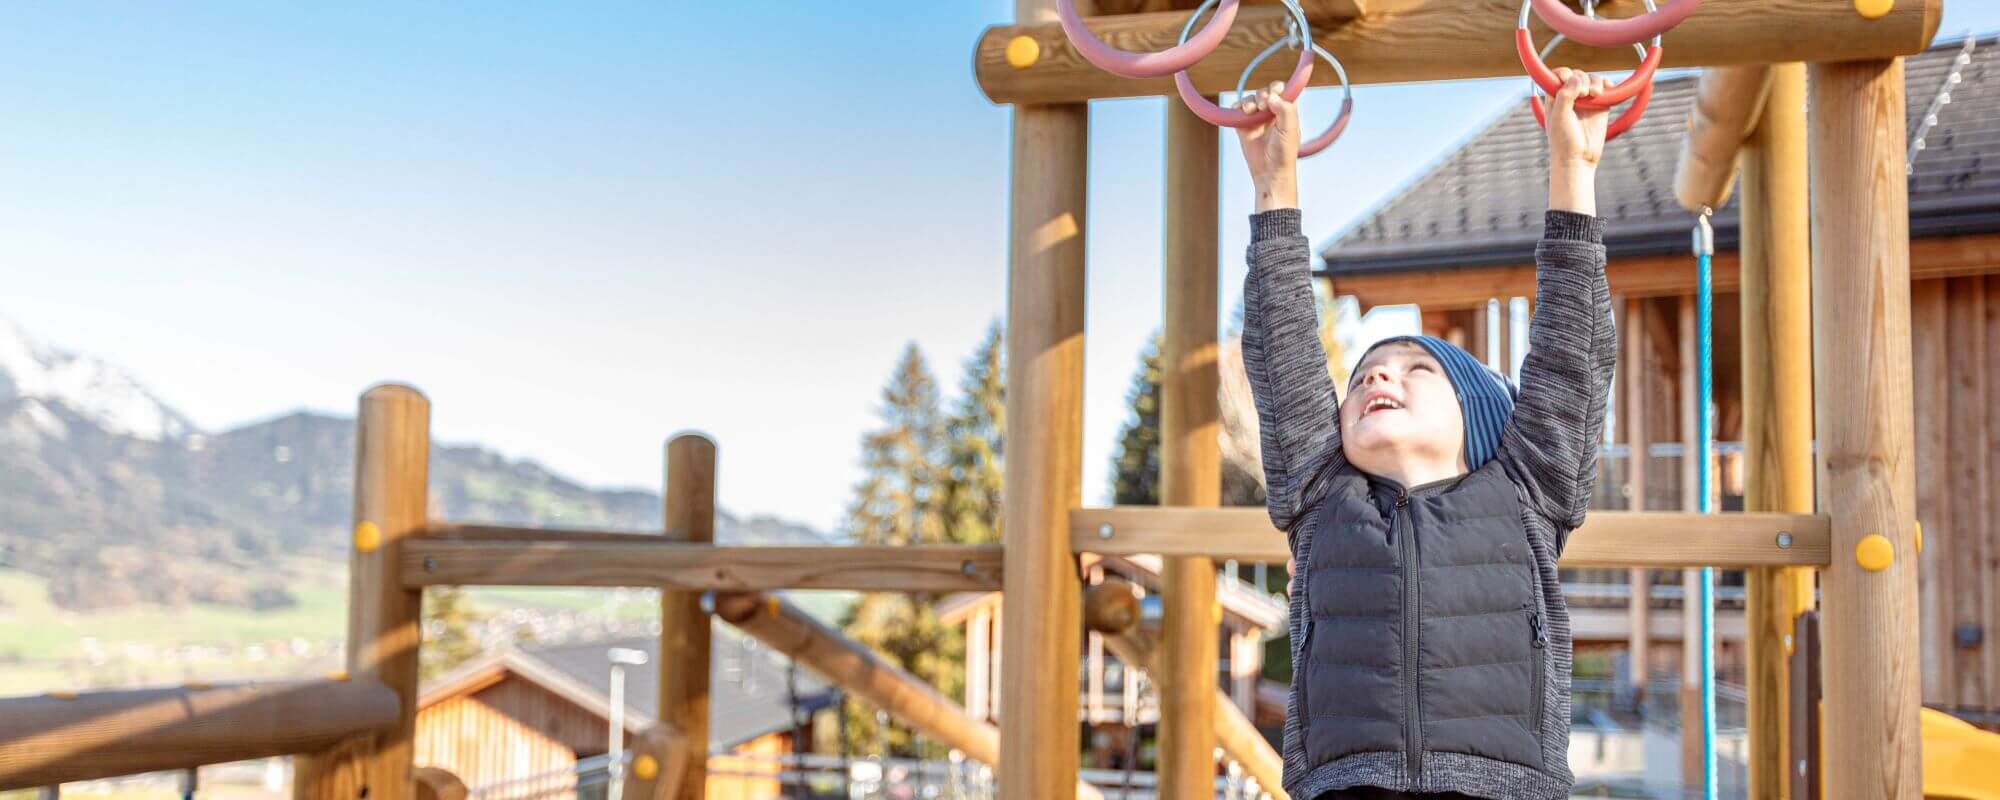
(510, 730)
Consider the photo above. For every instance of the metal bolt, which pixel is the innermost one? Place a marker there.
(708, 602)
(966, 568)
(1802, 767)
(1788, 641)
(430, 564)
(1104, 531)
(1784, 540)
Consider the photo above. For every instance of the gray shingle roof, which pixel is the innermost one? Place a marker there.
(747, 692)
(1482, 205)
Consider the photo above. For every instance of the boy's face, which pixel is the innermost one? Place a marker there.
(1401, 409)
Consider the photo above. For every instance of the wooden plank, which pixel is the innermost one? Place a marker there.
(869, 677)
(1039, 738)
(1805, 710)
(1989, 534)
(1638, 605)
(49, 739)
(1727, 103)
(482, 532)
(1447, 288)
(1966, 448)
(1692, 774)
(688, 514)
(1426, 40)
(1861, 382)
(1775, 310)
(699, 567)
(1190, 453)
(1931, 416)
(391, 490)
(1658, 539)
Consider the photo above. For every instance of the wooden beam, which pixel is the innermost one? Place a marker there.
(695, 568)
(688, 514)
(482, 532)
(391, 489)
(1316, 10)
(1428, 40)
(858, 670)
(52, 739)
(1190, 453)
(1633, 393)
(1693, 775)
(1776, 311)
(1234, 733)
(1659, 539)
(665, 762)
(1039, 739)
(1861, 398)
(1447, 289)
(1727, 102)
(438, 783)
(1111, 606)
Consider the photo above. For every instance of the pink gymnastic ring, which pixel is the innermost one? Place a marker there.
(1313, 146)
(1620, 124)
(1598, 32)
(1232, 118)
(1145, 65)
(1524, 46)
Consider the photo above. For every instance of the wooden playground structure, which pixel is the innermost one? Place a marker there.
(353, 731)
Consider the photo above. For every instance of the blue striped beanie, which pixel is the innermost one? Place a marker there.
(1485, 397)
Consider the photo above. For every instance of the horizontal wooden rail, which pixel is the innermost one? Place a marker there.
(517, 533)
(1607, 538)
(556, 560)
(1424, 40)
(50, 739)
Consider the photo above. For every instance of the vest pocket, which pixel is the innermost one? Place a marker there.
(1538, 667)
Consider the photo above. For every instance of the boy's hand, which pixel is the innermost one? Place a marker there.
(1271, 150)
(1576, 142)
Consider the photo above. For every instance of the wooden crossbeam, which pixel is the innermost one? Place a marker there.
(50, 739)
(1427, 40)
(553, 560)
(1607, 538)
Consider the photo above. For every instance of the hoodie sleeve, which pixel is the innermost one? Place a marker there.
(1298, 415)
(1550, 446)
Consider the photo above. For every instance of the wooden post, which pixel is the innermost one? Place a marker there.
(391, 487)
(1638, 606)
(1692, 775)
(1045, 289)
(664, 762)
(1190, 456)
(1776, 308)
(1861, 400)
(437, 783)
(689, 514)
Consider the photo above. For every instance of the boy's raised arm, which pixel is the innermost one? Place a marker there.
(1551, 442)
(1298, 419)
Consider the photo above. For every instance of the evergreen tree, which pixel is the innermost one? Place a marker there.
(899, 502)
(449, 618)
(971, 494)
(1135, 469)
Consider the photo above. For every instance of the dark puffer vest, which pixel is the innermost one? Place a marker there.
(1430, 642)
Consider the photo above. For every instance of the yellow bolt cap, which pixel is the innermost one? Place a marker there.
(1023, 52)
(367, 537)
(646, 767)
(1873, 9)
(1874, 552)
(63, 694)
(1920, 536)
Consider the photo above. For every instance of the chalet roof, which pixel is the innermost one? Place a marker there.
(1482, 204)
(748, 697)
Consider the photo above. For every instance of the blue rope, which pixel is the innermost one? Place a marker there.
(1704, 247)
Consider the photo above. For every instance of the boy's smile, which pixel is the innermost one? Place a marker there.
(1401, 419)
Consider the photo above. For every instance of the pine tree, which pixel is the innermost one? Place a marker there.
(1135, 469)
(449, 618)
(971, 494)
(899, 502)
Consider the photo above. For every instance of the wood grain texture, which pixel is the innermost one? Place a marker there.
(1861, 376)
(1427, 40)
(1039, 737)
(391, 490)
(1776, 312)
(869, 677)
(688, 514)
(482, 532)
(694, 568)
(1967, 480)
(1446, 288)
(1190, 453)
(1657, 539)
(45, 740)
(1235, 733)
(1726, 106)
(1632, 393)
(1931, 421)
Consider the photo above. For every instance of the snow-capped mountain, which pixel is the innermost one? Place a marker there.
(108, 396)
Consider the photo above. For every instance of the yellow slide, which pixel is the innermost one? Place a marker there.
(1961, 762)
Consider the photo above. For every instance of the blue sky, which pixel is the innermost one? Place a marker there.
(581, 227)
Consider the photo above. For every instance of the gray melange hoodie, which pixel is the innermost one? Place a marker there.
(1430, 642)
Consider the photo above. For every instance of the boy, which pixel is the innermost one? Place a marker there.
(1430, 641)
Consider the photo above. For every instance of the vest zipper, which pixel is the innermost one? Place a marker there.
(1541, 644)
(1413, 729)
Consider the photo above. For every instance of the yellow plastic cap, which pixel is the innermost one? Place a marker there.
(1023, 52)
(367, 537)
(1873, 9)
(646, 767)
(1874, 552)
